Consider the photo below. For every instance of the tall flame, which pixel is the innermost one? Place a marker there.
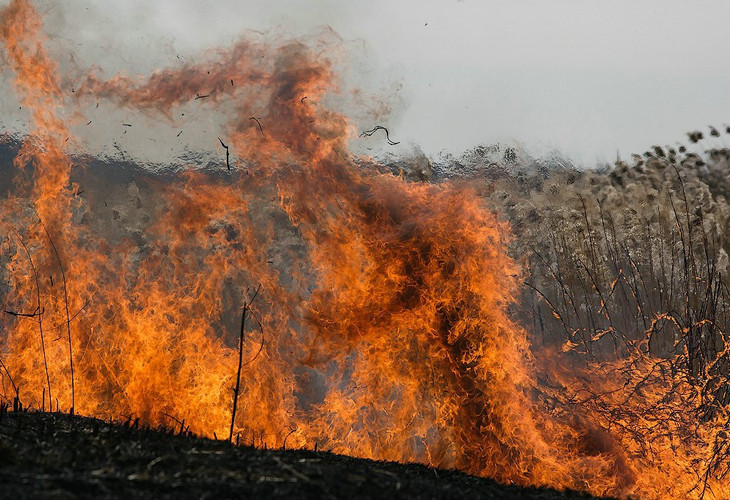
(381, 327)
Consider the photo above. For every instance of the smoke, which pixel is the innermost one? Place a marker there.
(135, 39)
(588, 80)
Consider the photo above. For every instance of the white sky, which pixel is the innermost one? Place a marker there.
(587, 77)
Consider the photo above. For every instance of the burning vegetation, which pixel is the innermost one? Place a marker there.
(298, 296)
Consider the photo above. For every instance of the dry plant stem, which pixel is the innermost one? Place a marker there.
(589, 233)
(68, 316)
(566, 295)
(40, 316)
(241, 337)
(10, 378)
(689, 223)
(650, 251)
(554, 310)
(292, 430)
(76, 314)
(238, 373)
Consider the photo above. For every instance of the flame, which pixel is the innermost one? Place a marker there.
(378, 309)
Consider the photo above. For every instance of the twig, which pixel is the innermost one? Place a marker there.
(237, 389)
(15, 387)
(292, 430)
(182, 424)
(86, 304)
(555, 312)
(368, 133)
(68, 316)
(263, 338)
(36, 313)
(40, 316)
(198, 96)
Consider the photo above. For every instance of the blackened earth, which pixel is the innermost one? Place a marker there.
(55, 455)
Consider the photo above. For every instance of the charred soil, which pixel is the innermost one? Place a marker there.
(55, 455)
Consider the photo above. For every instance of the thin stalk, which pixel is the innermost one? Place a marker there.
(241, 338)
(68, 317)
(39, 309)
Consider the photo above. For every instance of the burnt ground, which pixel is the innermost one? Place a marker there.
(55, 455)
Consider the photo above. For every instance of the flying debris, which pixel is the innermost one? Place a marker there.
(261, 129)
(370, 132)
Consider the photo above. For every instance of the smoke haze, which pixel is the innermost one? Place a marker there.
(586, 78)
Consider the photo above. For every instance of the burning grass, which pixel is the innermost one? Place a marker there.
(382, 324)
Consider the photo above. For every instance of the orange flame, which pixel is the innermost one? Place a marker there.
(381, 328)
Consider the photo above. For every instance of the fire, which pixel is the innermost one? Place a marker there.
(378, 322)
